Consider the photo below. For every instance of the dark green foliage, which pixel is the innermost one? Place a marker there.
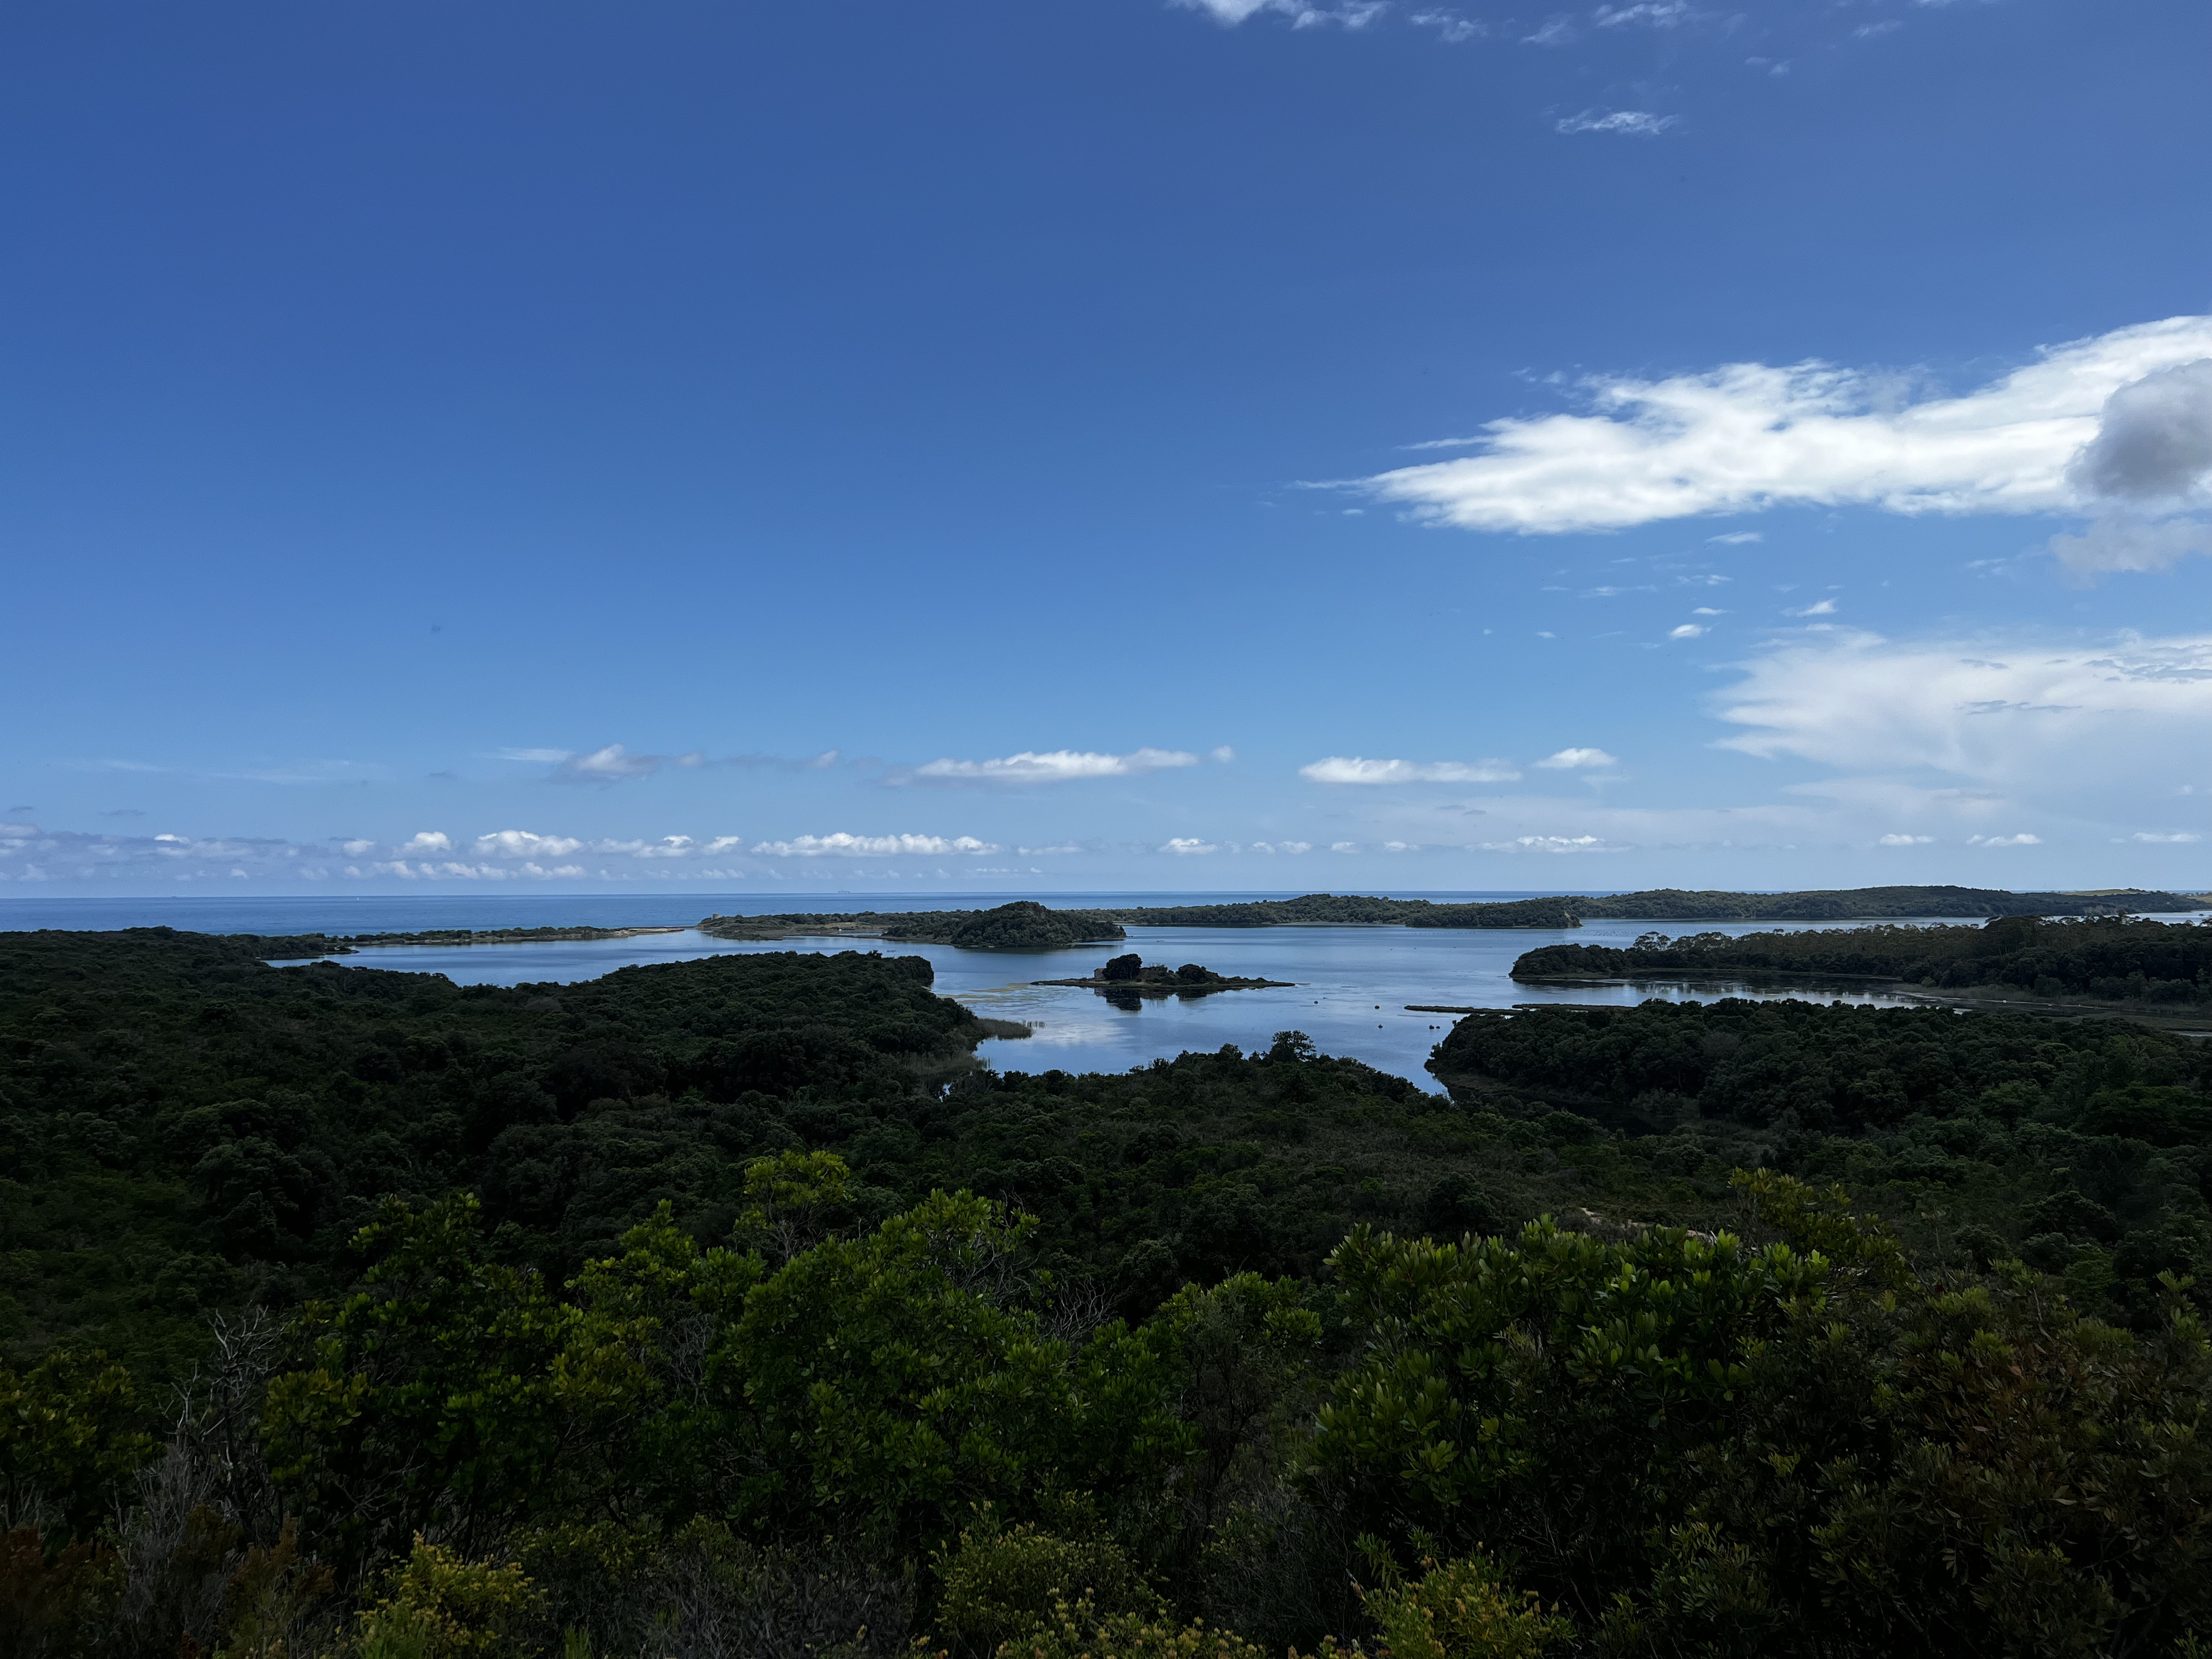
(1023, 924)
(726, 1307)
(2116, 958)
(1710, 1447)
(183, 1128)
(1353, 910)
(2083, 1145)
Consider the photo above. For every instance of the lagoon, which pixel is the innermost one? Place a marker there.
(1350, 985)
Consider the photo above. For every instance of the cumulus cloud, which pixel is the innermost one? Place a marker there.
(2022, 840)
(1685, 631)
(2153, 441)
(1903, 841)
(1551, 844)
(1570, 760)
(1188, 846)
(518, 844)
(843, 845)
(1745, 437)
(1052, 766)
(2173, 838)
(1353, 768)
(429, 840)
(1629, 123)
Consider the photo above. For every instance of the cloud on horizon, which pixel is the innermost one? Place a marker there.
(1051, 765)
(843, 845)
(1354, 769)
(2120, 423)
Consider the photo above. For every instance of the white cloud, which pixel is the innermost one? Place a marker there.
(1749, 436)
(1352, 14)
(2022, 840)
(542, 756)
(1825, 608)
(1707, 610)
(1737, 537)
(1569, 760)
(1052, 766)
(1352, 769)
(429, 840)
(518, 843)
(1653, 14)
(1450, 26)
(850, 846)
(1685, 631)
(2152, 837)
(1631, 122)
(1550, 844)
(1189, 845)
(1274, 847)
(1904, 840)
(1344, 847)
(1222, 756)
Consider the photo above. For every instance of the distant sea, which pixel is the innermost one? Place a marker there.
(411, 913)
(1350, 985)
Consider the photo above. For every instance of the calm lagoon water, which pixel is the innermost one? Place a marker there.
(1350, 989)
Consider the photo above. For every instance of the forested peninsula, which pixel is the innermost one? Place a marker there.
(728, 1308)
(1659, 904)
(2153, 967)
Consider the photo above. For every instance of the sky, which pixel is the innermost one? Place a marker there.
(1104, 445)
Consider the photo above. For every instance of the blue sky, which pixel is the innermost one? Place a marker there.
(1097, 444)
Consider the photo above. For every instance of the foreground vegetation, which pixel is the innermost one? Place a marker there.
(725, 1308)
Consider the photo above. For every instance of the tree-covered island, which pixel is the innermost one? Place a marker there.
(1130, 976)
(2152, 969)
(1023, 925)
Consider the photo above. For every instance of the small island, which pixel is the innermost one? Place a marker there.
(1024, 924)
(1124, 980)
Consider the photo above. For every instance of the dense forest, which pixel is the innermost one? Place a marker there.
(2118, 959)
(727, 1308)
